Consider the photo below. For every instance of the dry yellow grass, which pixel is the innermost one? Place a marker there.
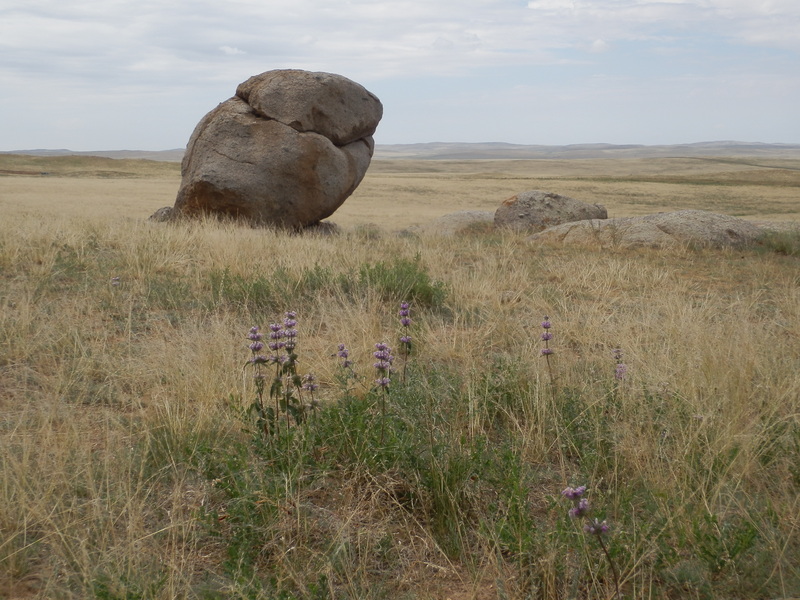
(99, 381)
(398, 193)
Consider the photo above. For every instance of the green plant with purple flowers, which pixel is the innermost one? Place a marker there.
(405, 336)
(593, 527)
(547, 351)
(423, 442)
(283, 401)
(384, 369)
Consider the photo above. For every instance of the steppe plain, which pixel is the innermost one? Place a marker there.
(130, 466)
(398, 193)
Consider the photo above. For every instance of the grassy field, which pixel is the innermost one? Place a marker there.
(143, 454)
(399, 193)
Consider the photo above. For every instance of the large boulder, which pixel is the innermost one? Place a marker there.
(287, 150)
(536, 210)
(662, 230)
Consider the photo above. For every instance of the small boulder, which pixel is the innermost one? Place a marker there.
(536, 210)
(162, 215)
(661, 230)
(286, 151)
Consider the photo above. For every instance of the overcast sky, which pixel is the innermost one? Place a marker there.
(124, 74)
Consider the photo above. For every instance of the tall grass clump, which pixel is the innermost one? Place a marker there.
(786, 243)
(210, 411)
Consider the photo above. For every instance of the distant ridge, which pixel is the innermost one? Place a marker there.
(486, 151)
(499, 150)
(174, 155)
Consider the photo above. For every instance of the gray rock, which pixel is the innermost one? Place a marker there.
(660, 230)
(286, 151)
(537, 210)
(162, 215)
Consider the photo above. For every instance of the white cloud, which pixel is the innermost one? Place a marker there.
(230, 51)
(552, 5)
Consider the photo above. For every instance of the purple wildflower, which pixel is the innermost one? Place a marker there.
(383, 354)
(574, 494)
(276, 337)
(344, 354)
(580, 505)
(596, 527)
(309, 382)
(405, 337)
(546, 337)
(620, 371)
(405, 321)
(581, 509)
(384, 367)
(256, 346)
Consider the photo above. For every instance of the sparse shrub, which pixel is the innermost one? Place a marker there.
(403, 280)
(786, 243)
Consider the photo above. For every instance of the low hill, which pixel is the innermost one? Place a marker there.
(499, 150)
(489, 151)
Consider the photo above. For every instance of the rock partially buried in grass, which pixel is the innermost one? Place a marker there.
(537, 210)
(287, 150)
(662, 230)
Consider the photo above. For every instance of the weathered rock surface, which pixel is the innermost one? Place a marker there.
(537, 210)
(660, 230)
(287, 150)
